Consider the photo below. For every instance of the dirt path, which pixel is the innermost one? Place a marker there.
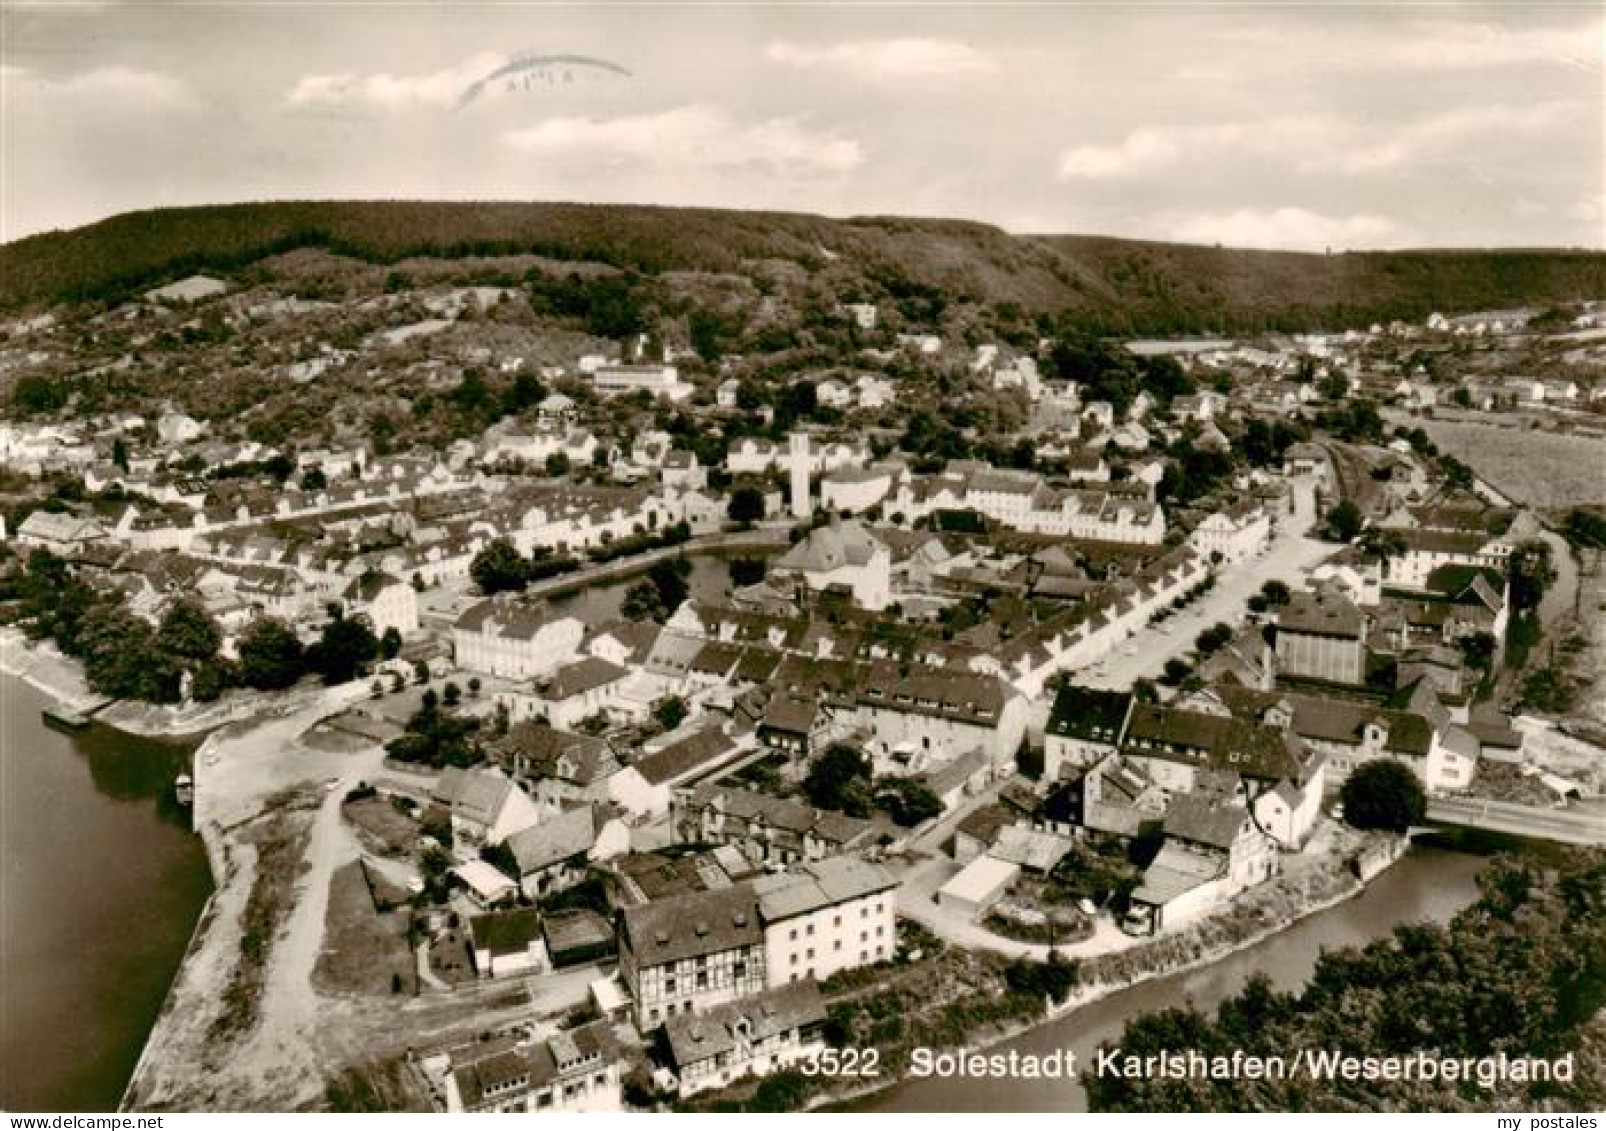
(243, 773)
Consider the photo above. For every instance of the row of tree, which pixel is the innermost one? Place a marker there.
(127, 657)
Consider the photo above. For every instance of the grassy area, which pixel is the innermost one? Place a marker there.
(380, 1086)
(364, 951)
(382, 825)
(1529, 466)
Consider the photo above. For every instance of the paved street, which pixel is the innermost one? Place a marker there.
(1287, 555)
(1567, 826)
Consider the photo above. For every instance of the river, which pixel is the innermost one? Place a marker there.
(101, 883)
(1428, 883)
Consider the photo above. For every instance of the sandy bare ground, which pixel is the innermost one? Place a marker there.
(242, 772)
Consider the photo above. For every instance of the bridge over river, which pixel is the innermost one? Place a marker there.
(1565, 826)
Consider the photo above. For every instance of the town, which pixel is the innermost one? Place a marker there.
(612, 685)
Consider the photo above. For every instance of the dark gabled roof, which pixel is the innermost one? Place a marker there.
(692, 925)
(716, 659)
(681, 758)
(696, 1037)
(579, 677)
(985, 823)
(790, 715)
(542, 747)
(1207, 820)
(508, 619)
(510, 1067)
(1089, 714)
(559, 837)
(1445, 541)
(1321, 614)
(1239, 745)
(1335, 720)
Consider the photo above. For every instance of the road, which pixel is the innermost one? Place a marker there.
(1567, 826)
(1287, 555)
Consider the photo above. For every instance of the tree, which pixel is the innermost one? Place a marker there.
(1383, 794)
(474, 686)
(390, 643)
(909, 802)
(270, 655)
(840, 780)
(313, 479)
(670, 711)
(1585, 528)
(120, 454)
(451, 695)
(499, 568)
(1276, 592)
(1175, 671)
(643, 603)
(344, 650)
(1530, 571)
(208, 682)
(1213, 639)
(746, 505)
(1344, 522)
(557, 465)
(188, 631)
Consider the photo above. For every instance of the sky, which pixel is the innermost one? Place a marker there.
(1296, 125)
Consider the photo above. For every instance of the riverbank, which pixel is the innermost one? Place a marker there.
(1258, 917)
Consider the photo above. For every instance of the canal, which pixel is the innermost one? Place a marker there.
(709, 580)
(101, 883)
(1427, 884)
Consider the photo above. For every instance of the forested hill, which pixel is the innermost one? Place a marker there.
(1111, 284)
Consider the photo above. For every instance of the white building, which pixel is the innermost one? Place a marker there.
(827, 916)
(514, 640)
(659, 380)
(841, 554)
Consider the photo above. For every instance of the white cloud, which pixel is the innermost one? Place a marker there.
(387, 92)
(1414, 46)
(1456, 130)
(105, 88)
(1315, 143)
(884, 59)
(1466, 47)
(1293, 229)
(692, 136)
(1153, 148)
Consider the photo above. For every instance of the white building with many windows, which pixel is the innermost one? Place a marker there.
(514, 640)
(827, 916)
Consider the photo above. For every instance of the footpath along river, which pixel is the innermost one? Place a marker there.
(1426, 884)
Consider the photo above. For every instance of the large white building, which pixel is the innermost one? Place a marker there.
(515, 640)
(659, 380)
(1235, 532)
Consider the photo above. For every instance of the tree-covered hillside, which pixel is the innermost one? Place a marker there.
(1121, 286)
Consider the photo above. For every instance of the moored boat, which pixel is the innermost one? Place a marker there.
(59, 715)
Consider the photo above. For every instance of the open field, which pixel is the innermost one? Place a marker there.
(364, 952)
(381, 826)
(1528, 466)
